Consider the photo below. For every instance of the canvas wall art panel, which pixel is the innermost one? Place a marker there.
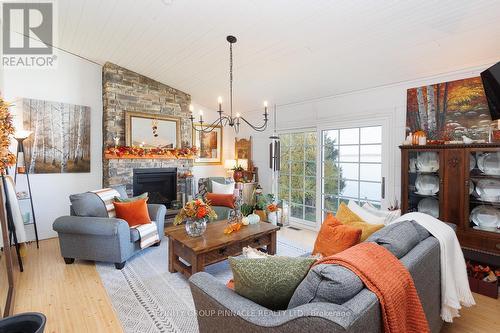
(449, 110)
(60, 142)
(209, 146)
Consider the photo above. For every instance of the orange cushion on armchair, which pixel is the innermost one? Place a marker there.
(135, 212)
(335, 237)
(224, 200)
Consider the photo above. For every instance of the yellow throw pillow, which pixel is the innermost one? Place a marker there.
(348, 217)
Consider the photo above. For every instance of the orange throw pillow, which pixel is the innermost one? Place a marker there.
(224, 200)
(135, 212)
(335, 237)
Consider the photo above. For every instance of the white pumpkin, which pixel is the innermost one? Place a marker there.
(253, 218)
(245, 221)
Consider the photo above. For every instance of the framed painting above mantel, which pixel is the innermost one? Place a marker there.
(152, 130)
(209, 146)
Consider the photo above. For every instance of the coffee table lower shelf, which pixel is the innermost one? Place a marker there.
(199, 253)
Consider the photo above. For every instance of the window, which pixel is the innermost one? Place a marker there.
(351, 166)
(297, 180)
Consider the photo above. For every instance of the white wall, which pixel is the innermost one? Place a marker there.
(74, 81)
(387, 103)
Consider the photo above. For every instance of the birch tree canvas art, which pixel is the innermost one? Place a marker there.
(449, 110)
(60, 142)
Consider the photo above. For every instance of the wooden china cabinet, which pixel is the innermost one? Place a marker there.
(444, 181)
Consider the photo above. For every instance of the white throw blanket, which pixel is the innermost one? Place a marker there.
(455, 289)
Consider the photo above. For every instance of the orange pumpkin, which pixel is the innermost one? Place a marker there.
(417, 135)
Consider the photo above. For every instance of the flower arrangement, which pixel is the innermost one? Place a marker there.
(196, 210)
(7, 159)
(272, 208)
(139, 152)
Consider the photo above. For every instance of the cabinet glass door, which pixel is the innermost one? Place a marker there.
(484, 190)
(424, 182)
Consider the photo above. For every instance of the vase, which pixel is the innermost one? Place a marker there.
(196, 227)
(272, 217)
(261, 214)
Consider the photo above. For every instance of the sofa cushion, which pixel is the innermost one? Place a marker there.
(88, 204)
(134, 212)
(270, 281)
(326, 283)
(219, 188)
(222, 200)
(334, 237)
(125, 199)
(399, 238)
(122, 189)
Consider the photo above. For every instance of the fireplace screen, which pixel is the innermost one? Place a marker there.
(160, 183)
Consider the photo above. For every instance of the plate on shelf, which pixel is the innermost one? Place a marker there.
(428, 161)
(490, 229)
(485, 217)
(472, 162)
(489, 163)
(488, 190)
(471, 187)
(429, 206)
(427, 184)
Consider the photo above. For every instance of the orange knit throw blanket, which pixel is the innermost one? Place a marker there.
(384, 275)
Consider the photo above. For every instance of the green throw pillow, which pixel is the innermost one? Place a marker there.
(142, 196)
(269, 281)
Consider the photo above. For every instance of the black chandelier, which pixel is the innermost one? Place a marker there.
(227, 119)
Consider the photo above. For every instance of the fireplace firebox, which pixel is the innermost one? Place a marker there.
(160, 183)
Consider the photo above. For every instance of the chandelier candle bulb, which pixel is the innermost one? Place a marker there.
(219, 100)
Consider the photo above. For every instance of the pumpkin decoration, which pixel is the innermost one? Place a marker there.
(417, 135)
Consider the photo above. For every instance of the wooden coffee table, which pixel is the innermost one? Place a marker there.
(214, 246)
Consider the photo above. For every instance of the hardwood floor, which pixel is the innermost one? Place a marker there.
(74, 299)
(71, 296)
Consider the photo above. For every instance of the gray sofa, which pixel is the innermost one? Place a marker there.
(331, 298)
(90, 235)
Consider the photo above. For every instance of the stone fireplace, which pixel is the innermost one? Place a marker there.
(124, 90)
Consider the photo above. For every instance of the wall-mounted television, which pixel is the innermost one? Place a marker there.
(491, 83)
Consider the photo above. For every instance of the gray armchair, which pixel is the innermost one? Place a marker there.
(101, 238)
(205, 186)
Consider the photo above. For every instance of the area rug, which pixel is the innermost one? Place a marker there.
(147, 298)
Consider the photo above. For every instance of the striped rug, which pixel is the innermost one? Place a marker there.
(147, 298)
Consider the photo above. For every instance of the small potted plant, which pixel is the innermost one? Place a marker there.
(238, 173)
(196, 214)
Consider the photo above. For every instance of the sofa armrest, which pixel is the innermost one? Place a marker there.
(96, 226)
(157, 212)
(214, 298)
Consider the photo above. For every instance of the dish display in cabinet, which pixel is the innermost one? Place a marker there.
(423, 182)
(484, 201)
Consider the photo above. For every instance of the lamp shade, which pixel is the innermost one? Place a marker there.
(243, 163)
(22, 134)
(229, 164)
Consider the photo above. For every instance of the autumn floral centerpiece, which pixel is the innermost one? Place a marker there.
(196, 214)
(7, 159)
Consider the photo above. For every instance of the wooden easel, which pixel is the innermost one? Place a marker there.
(11, 226)
(6, 251)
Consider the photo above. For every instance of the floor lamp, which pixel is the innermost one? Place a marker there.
(21, 168)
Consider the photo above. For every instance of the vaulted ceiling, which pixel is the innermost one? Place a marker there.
(287, 50)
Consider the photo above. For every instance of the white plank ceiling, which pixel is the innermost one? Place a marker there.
(287, 50)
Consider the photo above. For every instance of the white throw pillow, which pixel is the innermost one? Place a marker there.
(367, 216)
(388, 215)
(219, 188)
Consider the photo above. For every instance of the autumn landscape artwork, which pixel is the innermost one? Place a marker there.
(449, 110)
(60, 142)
